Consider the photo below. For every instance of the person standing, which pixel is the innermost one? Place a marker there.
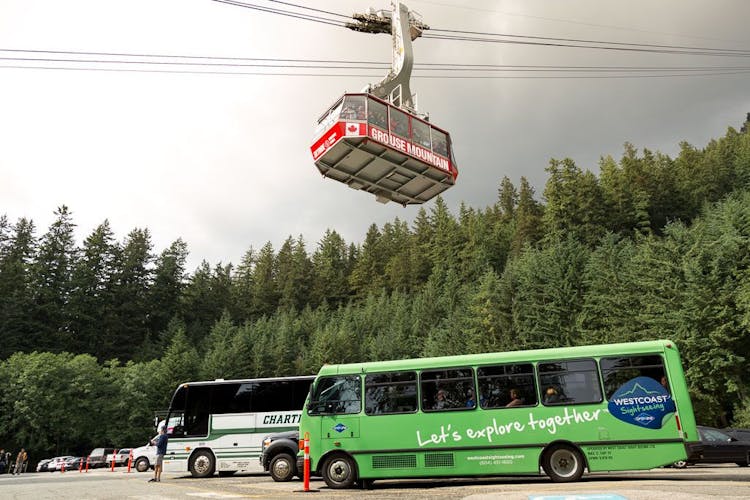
(2, 460)
(160, 442)
(20, 460)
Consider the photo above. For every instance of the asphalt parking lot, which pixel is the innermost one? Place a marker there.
(700, 482)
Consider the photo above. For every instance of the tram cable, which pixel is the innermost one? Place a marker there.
(580, 40)
(203, 64)
(281, 12)
(703, 73)
(475, 36)
(717, 53)
(23, 55)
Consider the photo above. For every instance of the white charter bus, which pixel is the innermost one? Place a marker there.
(220, 425)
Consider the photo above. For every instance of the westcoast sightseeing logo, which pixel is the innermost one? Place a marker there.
(642, 401)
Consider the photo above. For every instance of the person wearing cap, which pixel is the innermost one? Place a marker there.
(160, 442)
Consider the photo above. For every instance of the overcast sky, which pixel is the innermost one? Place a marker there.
(223, 161)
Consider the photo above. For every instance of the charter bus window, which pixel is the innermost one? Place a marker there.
(340, 395)
(421, 133)
(196, 410)
(389, 393)
(231, 398)
(507, 386)
(448, 390)
(377, 114)
(618, 370)
(279, 395)
(399, 123)
(569, 382)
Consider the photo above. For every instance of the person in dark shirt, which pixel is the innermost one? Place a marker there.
(160, 442)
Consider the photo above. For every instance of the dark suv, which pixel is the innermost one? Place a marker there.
(279, 455)
(98, 457)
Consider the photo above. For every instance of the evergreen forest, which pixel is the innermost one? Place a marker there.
(95, 336)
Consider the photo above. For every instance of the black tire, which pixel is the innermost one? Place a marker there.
(742, 464)
(202, 464)
(226, 473)
(339, 471)
(142, 465)
(563, 463)
(283, 467)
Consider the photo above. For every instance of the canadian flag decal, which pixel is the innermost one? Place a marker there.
(352, 129)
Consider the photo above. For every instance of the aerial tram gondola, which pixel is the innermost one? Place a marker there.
(376, 140)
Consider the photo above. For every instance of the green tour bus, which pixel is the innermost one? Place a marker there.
(219, 425)
(557, 411)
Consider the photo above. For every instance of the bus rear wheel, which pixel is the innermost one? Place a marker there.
(339, 472)
(202, 464)
(563, 463)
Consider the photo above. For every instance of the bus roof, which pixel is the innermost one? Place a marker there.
(246, 380)
(508, 356)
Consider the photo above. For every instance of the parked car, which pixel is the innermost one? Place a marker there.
(121, 457)
(98, 457)
(279, 455)
(42, 465)
(75, 463)
(719, 448)
(739, 434)
(144, 458)
(56, 463)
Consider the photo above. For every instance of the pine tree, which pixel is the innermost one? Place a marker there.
(18, 329)
(529, 226)
(52, 282)
(331, 266)
(94, 322)
(134, 278)
(168, 284)
(265, 286)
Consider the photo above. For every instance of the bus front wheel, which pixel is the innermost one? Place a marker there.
(142, 465)
(282, 467)
(563, 463)
(202, 464)
(339, 472)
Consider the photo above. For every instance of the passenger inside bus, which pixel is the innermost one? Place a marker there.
(471, 401)
(515, 399)
(551, 395)
(440, 401)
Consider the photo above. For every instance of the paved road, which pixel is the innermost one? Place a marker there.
(695, 483)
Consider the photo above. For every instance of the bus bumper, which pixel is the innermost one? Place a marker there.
(694, 451)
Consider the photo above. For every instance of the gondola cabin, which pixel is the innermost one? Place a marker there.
(372, 145)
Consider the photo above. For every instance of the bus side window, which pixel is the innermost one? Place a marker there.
(197, 409)
(507, 386)
(571, 382)
(448, 390)
(618, 370)
(389, 393)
